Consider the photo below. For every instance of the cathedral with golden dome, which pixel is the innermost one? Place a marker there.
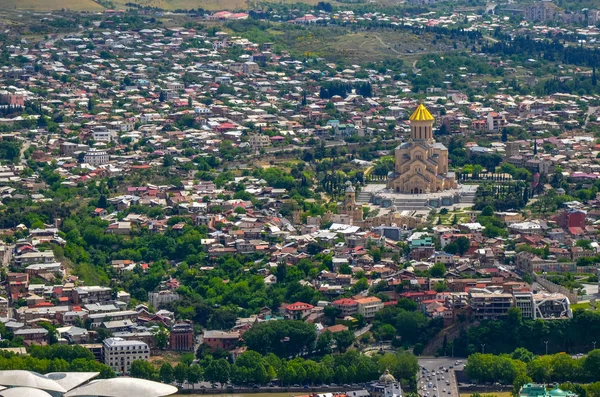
(421, 163)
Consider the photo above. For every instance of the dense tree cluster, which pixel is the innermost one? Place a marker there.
(252, 368)
(55, 358)
(522, 367)
(504, 336)
(411, 326)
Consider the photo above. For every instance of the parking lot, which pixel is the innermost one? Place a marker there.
(434, 381)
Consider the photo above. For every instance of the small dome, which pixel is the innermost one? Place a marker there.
(387, 377)
(557, 392)
(349, 187)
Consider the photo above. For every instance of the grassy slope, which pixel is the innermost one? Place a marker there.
(49, 5)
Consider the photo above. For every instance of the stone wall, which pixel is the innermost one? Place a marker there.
(552, 287)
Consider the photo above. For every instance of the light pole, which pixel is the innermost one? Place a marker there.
(594, 343)
(483, 348)
(546, 342)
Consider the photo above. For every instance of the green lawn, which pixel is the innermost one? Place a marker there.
(585, 306)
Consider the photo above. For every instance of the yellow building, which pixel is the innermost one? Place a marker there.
(421, 164)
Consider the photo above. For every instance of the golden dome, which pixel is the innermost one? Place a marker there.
(421, 114)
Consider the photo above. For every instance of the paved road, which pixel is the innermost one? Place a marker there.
(441, 381)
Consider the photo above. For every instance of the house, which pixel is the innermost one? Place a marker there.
(221, 340)
(123, 228)
(347, 307)
(367, 307)
(298, 310)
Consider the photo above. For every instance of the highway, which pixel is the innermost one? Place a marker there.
(441, 380)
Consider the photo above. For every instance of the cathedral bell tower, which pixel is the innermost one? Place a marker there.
(421, 125)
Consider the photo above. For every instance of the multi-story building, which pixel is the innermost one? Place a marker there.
(160, 298)
(95, 157)
(91, 294)
(119, 354)
(541, 11)
(524, 302)
(99, 318)
(70, 148)
(31, 257)
(495, 121)
(258, 142)
(367, 307)
(103, 134)
(573, 220)
(298, 310)
(221, 339)
(182, 337)
(487, 305)
(347, 307)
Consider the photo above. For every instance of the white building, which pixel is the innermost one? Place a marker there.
(95, 157)
(157, 299)
(543, 306)
(120, 353)
(103, 134)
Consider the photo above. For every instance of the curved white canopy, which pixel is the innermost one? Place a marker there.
(123, 387)
(24, 392)
(29, 379)
(70, 380)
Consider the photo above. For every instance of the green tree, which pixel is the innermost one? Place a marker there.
(343, 339)
(143, 369)
(591, 365)
(194, 374)
(180, 373)
(166, 373)
(438, 270)
(217, 371)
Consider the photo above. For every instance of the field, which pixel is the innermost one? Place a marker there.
(89, 5)
(496, 394)
(49, 5)
(584, 305)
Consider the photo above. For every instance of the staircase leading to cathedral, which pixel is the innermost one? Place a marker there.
(364, 197)
(468, 198)
(415, 203)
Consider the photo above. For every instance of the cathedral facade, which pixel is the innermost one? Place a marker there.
(421, 164)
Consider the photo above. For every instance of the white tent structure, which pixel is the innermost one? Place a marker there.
(70, 380)
(18, 378)
(17, 383)
(123, 387)
(24, 392)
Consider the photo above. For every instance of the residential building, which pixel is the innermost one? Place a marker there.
(487, 305)
(298, 310)
(181, 337)
(161, 298)
(367, 307)
(119, 354)
(258, 142)
(347, 307)
(221, 340)
(95, 157)
(91, 294)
